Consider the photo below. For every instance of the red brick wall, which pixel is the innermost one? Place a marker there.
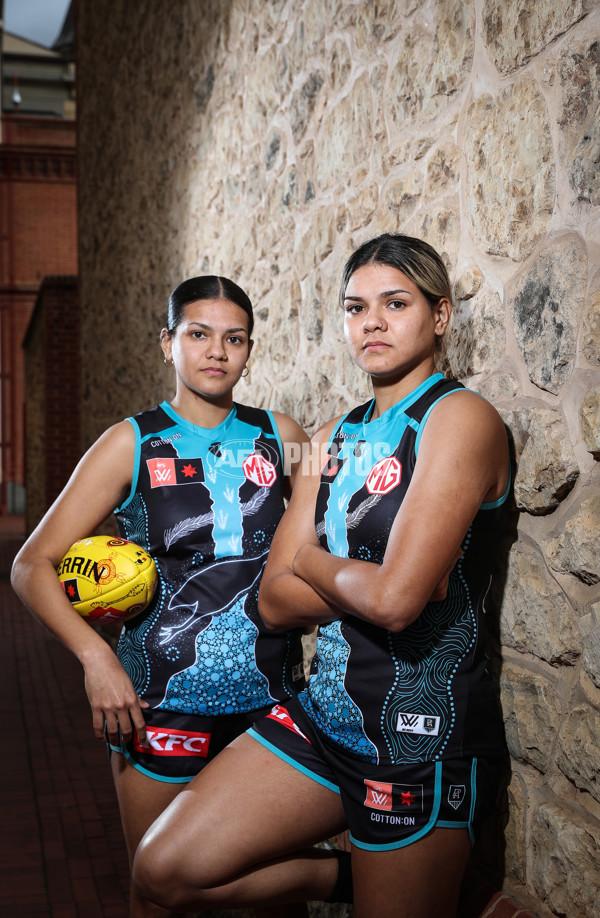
(38, 237)
(26, 130)
(53, 386)
(43, 230)
(62, 352)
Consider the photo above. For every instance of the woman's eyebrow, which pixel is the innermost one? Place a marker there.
(383, 293)
(228, 331)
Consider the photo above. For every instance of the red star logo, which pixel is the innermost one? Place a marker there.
(406, 798)
(71, 590)
(189, 471)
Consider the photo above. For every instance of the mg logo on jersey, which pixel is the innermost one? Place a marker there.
(259, 470)
(163, 741)
(384, 476)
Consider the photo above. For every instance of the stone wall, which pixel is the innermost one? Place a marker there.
(264, 140)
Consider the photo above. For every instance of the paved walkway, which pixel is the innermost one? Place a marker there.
(62, 852)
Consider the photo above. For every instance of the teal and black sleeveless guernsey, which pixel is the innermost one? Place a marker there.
(205, 504)
(423, 694)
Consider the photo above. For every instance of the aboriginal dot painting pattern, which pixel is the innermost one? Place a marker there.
(337, 715)
(132, 642)
(409, 711)
(189, 652)
(235, 684)
(136, 523)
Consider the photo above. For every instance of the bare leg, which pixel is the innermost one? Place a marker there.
(421, 880)
(232, 838)
(141, 801)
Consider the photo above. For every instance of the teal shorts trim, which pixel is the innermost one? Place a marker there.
(180, 745)
(386, 806)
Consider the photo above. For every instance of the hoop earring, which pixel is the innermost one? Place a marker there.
(245, 372)
(169, 362)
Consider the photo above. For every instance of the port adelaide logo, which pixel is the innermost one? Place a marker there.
(456, 795)
(423, 724)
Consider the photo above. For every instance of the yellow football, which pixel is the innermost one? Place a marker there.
(108, 579)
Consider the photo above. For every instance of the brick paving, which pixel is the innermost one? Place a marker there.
(62, 852)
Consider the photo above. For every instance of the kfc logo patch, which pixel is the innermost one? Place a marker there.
(384, 476)
(163, 741)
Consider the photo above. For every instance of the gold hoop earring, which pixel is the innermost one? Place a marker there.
(245, 372)
(169, 362)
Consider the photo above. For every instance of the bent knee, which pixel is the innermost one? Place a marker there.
(170, 873)
(157, 874)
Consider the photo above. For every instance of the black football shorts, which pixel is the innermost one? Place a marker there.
(180, 745)
(386, 806)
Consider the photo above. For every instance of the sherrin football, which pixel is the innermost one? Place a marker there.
(108, 579)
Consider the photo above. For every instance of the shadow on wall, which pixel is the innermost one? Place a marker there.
(466, 352)
(488, 856)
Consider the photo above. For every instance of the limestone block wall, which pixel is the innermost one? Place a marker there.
(264, 140)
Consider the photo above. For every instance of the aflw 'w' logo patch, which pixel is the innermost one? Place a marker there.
(394, 797)
(166, 472)
(424, 724)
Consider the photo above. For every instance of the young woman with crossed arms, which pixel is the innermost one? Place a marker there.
(199, 482)
(388, 545)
